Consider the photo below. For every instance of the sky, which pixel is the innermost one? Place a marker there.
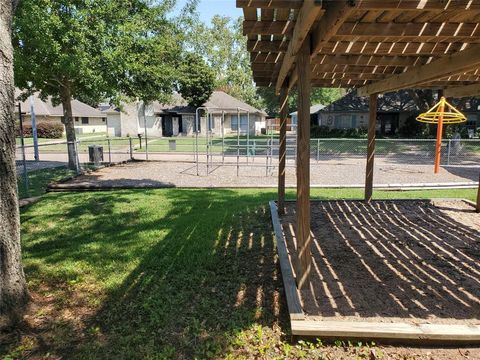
(208, 8)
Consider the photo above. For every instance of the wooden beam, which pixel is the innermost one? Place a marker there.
(478, 196)
(449, 65)
(372, 124)
(303, 167)
(417, 5)
(270, 4)
(291, 293)
(267, 27)
(355, 31)
(336, 13)
(267, 46)
(282, 151)
(370, 60)
(463, 91)
(399, 331)
(307, 15)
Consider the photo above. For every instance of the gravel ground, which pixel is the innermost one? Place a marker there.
(341, 173)
(410, 261)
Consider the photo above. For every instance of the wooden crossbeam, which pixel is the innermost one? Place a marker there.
(265, 57)
(463, 91)
(336, 13)
(270, 4)
(307, 15)
(382, 5)
(449, 65)
(267, 46)
(372, 60)
(267, 27)
(415, 31)
(417, 5)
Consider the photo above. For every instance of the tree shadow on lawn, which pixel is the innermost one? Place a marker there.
(185, 271)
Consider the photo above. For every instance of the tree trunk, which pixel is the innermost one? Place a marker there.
(66, 98)
(13, 290)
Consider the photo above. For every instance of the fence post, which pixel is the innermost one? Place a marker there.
(131, 147)
(318, 149)
(109, 151)
(448, 151)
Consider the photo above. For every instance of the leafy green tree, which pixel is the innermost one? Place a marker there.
(93, 50)
(196, 81)
(224, 48)
(323, 96)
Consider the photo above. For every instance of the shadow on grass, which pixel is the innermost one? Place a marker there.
(184, 271)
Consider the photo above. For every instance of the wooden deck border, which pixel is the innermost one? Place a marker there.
(402, 332)
(293, 298)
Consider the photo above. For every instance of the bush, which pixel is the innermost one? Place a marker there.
(47, 130)
(325, 132)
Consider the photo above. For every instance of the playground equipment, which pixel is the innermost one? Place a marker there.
(438, 115)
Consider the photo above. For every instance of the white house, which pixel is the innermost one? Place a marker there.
(178, 119)
(87, 118)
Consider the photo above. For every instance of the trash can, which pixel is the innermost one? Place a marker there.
(172, 144)
(95, 154)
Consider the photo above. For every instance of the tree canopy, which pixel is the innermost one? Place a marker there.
(196, 80)
(93, 50)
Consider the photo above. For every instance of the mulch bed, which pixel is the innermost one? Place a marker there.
(388, 261)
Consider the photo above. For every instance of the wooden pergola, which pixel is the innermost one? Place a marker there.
(376, 46)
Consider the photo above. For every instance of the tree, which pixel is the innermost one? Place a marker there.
(197, 80)
(323, 96)
(94, 50)
(224, 48)
(13, 291)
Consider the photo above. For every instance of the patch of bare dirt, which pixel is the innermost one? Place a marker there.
(388, 261)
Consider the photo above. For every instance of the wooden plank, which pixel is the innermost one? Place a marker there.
(372, 123)
(303, 234)
(381, 330)
(478, 196)
(293, 299)
(307, 15)
(270, 4)
(463, 91)
(417, 5)
(336, 13)
(267, 27)
(449, 65)
(450, 32)
(282, 151)
(267, 46)
(370, 60)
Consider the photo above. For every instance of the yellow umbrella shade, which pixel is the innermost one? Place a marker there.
(452, 116)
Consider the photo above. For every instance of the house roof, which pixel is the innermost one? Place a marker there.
(218, 100)
(313, 109)
(390, 102)
(46, 108)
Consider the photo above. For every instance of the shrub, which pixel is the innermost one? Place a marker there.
(325, 132)
(48, 130)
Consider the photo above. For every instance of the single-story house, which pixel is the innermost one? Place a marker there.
(178, 119)
(394, 108)
(87, 118)
(314, 110)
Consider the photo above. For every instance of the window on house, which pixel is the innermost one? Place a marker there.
(84, 120)
(243, 123)
(76, 118)
(343, 122)
(104, 119)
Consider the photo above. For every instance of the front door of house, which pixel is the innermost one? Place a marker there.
(167, 128)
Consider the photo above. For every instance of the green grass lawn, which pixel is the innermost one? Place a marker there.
(39, 179)
(162, 274)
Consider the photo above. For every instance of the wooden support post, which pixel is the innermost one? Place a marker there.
(372, 124)
(282, 151)
(303, 166)
(478, 196)
(438, 144)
